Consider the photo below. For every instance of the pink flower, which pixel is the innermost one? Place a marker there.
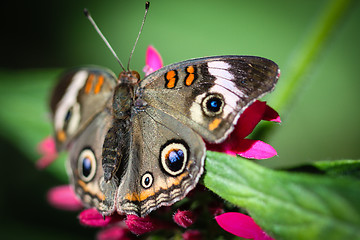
(235, 144)
(47, 148)
(142, 225)
(91, 217)
(184, 218)
(153, 61)
(241, 225)
(115, 233)
(64, 198)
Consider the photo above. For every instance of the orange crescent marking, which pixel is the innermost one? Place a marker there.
(83, 185)
(89, 83)
(99, 84)
(214, 124)
(148, 192)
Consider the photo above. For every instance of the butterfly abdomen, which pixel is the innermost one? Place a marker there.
(115, 147)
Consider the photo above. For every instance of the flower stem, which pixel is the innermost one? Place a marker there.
(302, 60)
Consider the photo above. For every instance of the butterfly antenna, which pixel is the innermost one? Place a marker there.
(147, 5)
(87, 14)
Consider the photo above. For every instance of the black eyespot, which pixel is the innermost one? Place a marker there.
(174, 156)
(147, 180)
(213, 104)
(87, 165)
(71, 119)
(68, 115)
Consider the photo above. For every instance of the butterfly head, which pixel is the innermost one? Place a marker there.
(129, 77)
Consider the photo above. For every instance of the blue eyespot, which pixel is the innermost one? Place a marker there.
(147, 180)
(86, 169)
(174, 157)
(214, 104)
(86, 165)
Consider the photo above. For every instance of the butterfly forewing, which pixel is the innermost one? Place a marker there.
(79, 96)
(209, 94)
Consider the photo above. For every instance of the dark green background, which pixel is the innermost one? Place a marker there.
(42, 38)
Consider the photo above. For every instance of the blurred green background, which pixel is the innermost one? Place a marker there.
(42, 38)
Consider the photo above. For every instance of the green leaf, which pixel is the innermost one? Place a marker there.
(349, 168)
(340, 168)
(287, 205)
(24, 116)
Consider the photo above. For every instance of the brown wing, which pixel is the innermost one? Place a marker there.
(85, 166)
(209, 94)
(78, 97)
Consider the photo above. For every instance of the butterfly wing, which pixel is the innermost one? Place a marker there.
(81, 121)
(78, 97)
(165, 161)
(85, 166)
(209, 94)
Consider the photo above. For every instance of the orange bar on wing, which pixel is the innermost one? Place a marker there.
(190, 78)
(171, 79)
(99, 84)
(89, 83)
(214, 124)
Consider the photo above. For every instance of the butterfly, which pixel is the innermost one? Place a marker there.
(138, 144)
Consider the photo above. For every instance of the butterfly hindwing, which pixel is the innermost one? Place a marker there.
(165, 161)
(85, 166)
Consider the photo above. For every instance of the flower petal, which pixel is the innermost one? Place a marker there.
(184, 218)
(241, 225)
(238, 224)
(139, 225)
(91, 217)
(47, 148)
(47, 145)
(114, 233)
(271, 115)
(254, 149)
(64, 198)
(248, 120)
(153, 61)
